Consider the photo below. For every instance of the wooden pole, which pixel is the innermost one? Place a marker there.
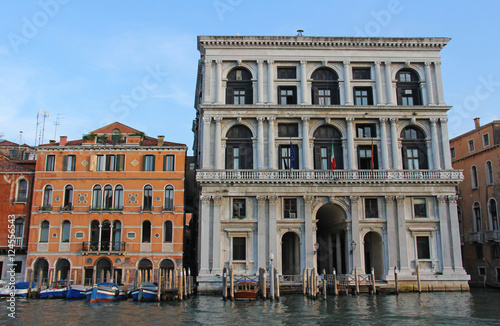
(324, 284)
(264, 285)
(181, 285)
(304, 281)
(277, 283)
(418, 279)
(231, 283)
(40, 275)
(271, 283)
(396, 280)
(356, 280)
(126, 281)
(68, 278)
(374, 289)
(224, 283)
(30, 280)
(335, 288)
(49, 281)
(158, 295)
(75, 276)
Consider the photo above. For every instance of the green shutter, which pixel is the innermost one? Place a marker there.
(65, 163)
(164, 162)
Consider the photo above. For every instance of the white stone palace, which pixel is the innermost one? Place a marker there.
(271, 113)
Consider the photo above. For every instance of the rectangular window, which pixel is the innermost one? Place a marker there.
(495, 250)
(367, 158)
(110, 162)
(423, 248)
(324, 158)
(69, 163)
(481, 271)
(50, 162)
(287, 73)
(452, 151)
(168, 163)
(18, 266)
(363, 96)
(365, 130)
(239, 208)
(419, 207)
(471, 145)
(99, 166)
(287, 95)
(289, 157)
(479, 252)
(290, 208)
(360, 73)
(407, 97)
(412, 158)
(236, 158)
(288, 130)
(149, 163)
(324, 96)
(13, 153)
(239, 96)
(239, 248)
(371, 208)
(486, 140)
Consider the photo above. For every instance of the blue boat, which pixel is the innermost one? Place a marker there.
(77, 292)
(19, 289)
(147, 291)
(105, 292)
(58, 290)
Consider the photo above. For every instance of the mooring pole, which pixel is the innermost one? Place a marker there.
(374, 290)
(324, 284)
(277, 283)
(418, 279)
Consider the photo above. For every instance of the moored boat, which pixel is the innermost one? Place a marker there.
(147, 291)
(19, 289)
(77, 292)
(246, 290)
(105, 292)
(58, 290)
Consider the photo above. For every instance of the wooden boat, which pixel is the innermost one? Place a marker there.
(19, 289)
(147, 291)
(77, 292)
(246, 290)
(105, 292)
(58, 290)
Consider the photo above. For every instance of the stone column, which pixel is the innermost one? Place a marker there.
(338, 253)
(435, 144)
(423, 91)
(205, 150)
(446, 144)
(217, 144)
(402, 237)
(260, 82)
(456, 253)
(204, 232)
(273, 230)
(428, 144)
(428, 84)
(394, 143)
(303, 82)
(347, 83)
(308, 231)
(439, 83)
(216, 239)
(356, 253)
(218, 82)
(378, 83)
(383, 144)
(270, 82)
(388, 83)
(260, 142)
(444, 229)
(271, 150)
(350, 143)
(306, 156)
(262, 252)
(392, 239)
(207, 83)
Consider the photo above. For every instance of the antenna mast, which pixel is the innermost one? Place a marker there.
(57, 124)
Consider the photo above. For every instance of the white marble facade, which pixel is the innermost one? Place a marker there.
(389, 203)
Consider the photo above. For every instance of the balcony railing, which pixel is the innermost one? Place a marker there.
(104, 246)
(101, 209)
(493, 235)
(322, 176)
(477, 237)
(18, 242)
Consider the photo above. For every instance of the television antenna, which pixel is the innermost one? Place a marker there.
(57, 124)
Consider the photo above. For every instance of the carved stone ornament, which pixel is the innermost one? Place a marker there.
(261, 200)
(205, 200)
(400, 198)
(272, 199)
(453, 199)
(442, 199)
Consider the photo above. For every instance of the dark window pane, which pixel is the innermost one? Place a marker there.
(288, 130)
(423, 248)
(371, 208)
(360, 73)
(239, 248)
(287, 73)
(239, 208)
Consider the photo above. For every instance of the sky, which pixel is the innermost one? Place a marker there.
(90, 63)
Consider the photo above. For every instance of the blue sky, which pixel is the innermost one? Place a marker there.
(95, 62)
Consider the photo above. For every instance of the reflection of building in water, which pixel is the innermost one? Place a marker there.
(275, 113)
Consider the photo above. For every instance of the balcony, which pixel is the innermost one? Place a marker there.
(493, 235)
(97, 247)
(322, 176)
(18, 242)
(105, 210)
(477, 237)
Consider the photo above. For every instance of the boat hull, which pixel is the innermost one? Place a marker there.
(105, 294)
(77, 292)
(53, 293)
(144, 294)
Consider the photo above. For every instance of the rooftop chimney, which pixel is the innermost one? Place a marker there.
(63, 140)
(52, 141)
(476, 123)
(161, 140)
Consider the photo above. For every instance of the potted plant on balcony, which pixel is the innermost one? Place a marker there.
(89, 138)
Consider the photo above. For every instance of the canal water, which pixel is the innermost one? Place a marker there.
(479, 307)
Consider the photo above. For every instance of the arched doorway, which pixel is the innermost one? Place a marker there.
(331, 237)
(167, 272)
(41, 271)
(62, 269)
(374, 257)
(103, 270)
(145, 270)
(290, 254)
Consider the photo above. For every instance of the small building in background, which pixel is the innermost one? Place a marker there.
(477, 153)
(17, 151)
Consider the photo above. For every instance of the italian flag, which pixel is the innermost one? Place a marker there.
(334, 165)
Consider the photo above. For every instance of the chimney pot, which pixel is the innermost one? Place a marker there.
(476, 123)
(63, 140)
(52, 141)
(161, 140)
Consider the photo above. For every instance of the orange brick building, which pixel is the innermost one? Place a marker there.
(109, 203)
(477, 153)
(16, 186)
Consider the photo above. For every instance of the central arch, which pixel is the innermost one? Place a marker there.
(374, 257)
(103, 268)
(290, 254)
(331, 236)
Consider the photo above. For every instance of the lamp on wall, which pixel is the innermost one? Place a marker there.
(316, 247)
(353, 246)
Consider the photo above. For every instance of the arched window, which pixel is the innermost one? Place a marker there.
(148, 198)
(117, 235)
(239, 87)
(493, 213)
(105, 235)
(169, 197)
(96, 197)
(94, 235)
(408, 88)
(325, 87)
(327, 140)
(414, 149)
(108, 197)
(44, 231)
(19, 224)
(167, 231)
(476, 210)
(473, 177)
(489, 173)
(22, 191)
(47, 197)
(68, 198)
(66, 226)
(239, 149)
(146, 231)
(118, 199)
